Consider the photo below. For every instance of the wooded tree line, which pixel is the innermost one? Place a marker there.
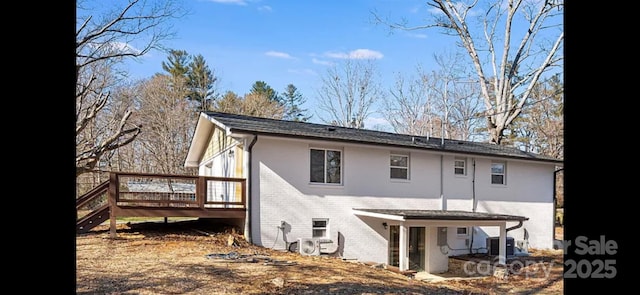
(492, 90)
(164, 110)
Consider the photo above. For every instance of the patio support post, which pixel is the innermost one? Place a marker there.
(502, 249)
(404, 247)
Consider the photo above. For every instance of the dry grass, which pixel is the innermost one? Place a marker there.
(559, 233)
(172, 259)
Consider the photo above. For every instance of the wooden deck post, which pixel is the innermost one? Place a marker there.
(243, 196)
(113, 192)
(201, 189)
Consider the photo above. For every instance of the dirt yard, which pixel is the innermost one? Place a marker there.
(191, 258)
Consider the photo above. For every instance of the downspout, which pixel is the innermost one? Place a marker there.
(473, 186)
(443, 204)
(473, 201)
(247, 223)
(519, 225)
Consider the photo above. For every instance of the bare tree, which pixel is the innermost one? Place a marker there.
(466, 113)
(409, 107)
(260, 105)
(456, 96)
(230, 103)
(252, 104)
(540, 128)
(516, 58)
(169, 123)
(125, 97)
(443, 103)
(102, 44)
(348, 91)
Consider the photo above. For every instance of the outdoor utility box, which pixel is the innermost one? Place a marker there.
(442, 236)
(493, 246)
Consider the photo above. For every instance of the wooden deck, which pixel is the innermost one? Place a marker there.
(161, 195)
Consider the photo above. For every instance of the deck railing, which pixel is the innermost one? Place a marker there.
(176, 191)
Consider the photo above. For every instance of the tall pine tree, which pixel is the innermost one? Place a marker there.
(194, 74)
(262, 88)
(201, 81)
(293, 100)
(177, 64)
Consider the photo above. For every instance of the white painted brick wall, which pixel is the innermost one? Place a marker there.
(283, 192)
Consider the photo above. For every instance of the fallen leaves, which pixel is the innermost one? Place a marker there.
(172, 259)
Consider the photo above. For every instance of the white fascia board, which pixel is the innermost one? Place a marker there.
(200, 139)
(195, 148)
(454, 223)
(378, 215)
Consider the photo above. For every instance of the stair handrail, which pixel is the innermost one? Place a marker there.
(90, 195)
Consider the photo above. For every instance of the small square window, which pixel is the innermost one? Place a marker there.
(462, 231)
(320, 228)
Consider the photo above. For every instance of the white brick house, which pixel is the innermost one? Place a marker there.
(403, 200)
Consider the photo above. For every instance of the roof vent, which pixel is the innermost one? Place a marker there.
(331, 128)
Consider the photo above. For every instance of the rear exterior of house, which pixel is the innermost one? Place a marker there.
(372, 196)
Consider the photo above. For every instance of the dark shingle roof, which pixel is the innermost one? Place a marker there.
(255, 125)
(444, 214)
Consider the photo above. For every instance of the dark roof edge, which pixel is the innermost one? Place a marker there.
(510, 218)
(392, 145)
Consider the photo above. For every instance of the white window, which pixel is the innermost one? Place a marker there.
(498, 172)
(399, 166)
(460, 166)
(320, 228)
(462, 231)
(326, 166)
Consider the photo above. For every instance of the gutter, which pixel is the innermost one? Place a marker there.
(247, 226)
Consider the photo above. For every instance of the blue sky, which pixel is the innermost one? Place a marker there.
(283, 42)
(294, 42)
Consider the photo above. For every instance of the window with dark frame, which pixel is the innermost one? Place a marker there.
(399, 166)
(460, 166)
(320, 227)
(498, 173)
(326, 165)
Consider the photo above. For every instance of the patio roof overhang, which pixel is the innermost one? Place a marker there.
(454, 216)
(406, 218)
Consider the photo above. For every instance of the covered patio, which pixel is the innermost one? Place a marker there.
(433, 221)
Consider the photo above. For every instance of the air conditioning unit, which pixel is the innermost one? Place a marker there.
(493, 245)
(309, 246)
